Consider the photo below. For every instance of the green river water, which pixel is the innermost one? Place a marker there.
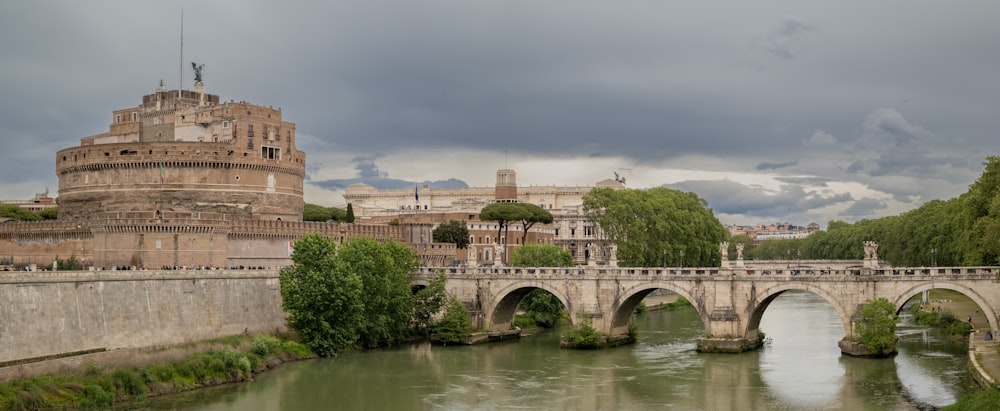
(800, 368)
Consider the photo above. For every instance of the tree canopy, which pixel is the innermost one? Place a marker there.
(17, 213)
(503, 214)
(540, 255)
(355, 295)
(654, 226)
(454, 232)
(314, 212)
(877, 326)
(533, 214)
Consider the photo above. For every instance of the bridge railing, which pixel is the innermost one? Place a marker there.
(789, 272)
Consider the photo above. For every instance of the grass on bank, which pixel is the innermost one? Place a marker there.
(231, 359)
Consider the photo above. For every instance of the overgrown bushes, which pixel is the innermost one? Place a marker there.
(237, 359)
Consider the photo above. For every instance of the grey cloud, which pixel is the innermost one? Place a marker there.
(367, 168)
(775, 166)
(785, 41)
(730, 197)
(863, 208)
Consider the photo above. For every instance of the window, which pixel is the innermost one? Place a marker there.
(249, 130)
(225, 124)
(270, 153)
(118, 118)
(135, 116)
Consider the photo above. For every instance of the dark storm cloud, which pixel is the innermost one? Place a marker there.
(856, 92)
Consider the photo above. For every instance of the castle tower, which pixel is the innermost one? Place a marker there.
(506, 188)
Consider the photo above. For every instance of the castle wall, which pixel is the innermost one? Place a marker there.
(51, 313)
(181, 177)
(42, 242)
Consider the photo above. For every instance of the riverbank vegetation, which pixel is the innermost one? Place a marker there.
(877, 328)
(357, 295)
(964, 230)
(943, 319)
(540, 308)
(225, 360)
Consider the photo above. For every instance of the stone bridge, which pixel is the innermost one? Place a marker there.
(729, 300)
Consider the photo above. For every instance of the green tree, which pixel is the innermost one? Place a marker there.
(533, 214)
(540, 255)
(51, 213)
(503, 214)
(455, 323)
(322, 296)
(313, 212)
(384, 269)
(454, 232)
(656, 224)
(349, 214)
(429, 301)
(17, 213)
(877, 326)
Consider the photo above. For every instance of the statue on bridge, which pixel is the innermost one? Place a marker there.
(871, 254)
(724, 250)
(739, 251)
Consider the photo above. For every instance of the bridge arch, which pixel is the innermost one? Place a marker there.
(983, 303)
(621, 311)
(767, 296)
(500, 314)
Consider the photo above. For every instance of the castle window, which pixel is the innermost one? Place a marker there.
(225, 124)
(135, 116)
(118, 118)
(237, 178)
(270, 153)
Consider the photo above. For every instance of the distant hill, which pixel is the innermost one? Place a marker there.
(388, 183)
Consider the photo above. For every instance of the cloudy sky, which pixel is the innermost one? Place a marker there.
(773, 111)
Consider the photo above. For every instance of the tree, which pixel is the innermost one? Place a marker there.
(313, 212)
(503, 214)
(384, 269)
(51, 213)
(455, 324)
(349, 217)
(17, 213)
(533, 214)
(323, 298)
(877, 326)
(652, 225)
(540, 255)
(454, 232)
(358, 294)
(429, 301)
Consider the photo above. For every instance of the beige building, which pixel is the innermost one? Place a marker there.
(570, 228)
(182, 180)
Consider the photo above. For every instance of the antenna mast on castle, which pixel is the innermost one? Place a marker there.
(180, 66)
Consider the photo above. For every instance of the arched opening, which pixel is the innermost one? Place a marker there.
(753, 325)
(647, 295)
(954, 309)
(507, 307)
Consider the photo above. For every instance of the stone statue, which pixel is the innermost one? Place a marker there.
(197, 71)
(614, 251)
(497, 251)
(724, 250)
(739, 251)
(472, 255)
(871, 250)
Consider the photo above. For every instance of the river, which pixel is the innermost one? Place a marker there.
(800, 368)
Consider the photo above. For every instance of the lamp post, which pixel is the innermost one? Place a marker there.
(664, 258)
(788, 259)
(682, 259)
(933, 257)
(798, 259)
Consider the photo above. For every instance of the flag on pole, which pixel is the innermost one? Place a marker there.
(416, 194)
(161, 174)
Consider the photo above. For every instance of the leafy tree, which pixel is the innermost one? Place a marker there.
(429, 301)
(384, 269)
(877, 326)
(455, 324)
(51, 213)
(583, 335)
(349, 215)
(543, 308)
(454, 232)
(17, 213)
(649, 225)
(358, 294)
(313, 212)
(503, 214)
(322, 296)
(540, 255)
(533, 214)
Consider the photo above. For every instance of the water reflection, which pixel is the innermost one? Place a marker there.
(801, 368)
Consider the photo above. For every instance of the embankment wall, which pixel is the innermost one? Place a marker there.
(52, 313)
